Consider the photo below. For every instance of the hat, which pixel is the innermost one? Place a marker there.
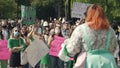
(45, 23)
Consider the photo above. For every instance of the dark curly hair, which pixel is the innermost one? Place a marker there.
(1, 35)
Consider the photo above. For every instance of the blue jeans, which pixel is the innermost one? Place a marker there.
(26, 66)
(55, 62)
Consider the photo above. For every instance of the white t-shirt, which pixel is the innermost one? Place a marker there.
(5, 34)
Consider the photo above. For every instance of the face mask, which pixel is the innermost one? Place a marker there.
(52, 33)
(57, 31)
(16, 34)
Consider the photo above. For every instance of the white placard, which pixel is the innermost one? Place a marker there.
(36, 50)
(79, 9)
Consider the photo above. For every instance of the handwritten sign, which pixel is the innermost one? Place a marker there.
(28, 14)
(36, 50)
(56, 45)
(4, 51)
(79, 9)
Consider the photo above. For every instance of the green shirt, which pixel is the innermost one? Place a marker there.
(25, 45)
(15, 43)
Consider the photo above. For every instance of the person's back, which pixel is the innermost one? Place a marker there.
(96, 38)
(99, 46)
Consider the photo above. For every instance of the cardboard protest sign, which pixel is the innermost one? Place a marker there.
(79, 9)
(28, 14)
(36, 50)
(56, 45)
(4, 51)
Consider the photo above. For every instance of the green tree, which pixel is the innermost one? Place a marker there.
(49, 8)
(111, 7)
(7, 9)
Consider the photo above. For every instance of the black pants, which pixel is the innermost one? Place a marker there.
(55, 62)
(15, 59)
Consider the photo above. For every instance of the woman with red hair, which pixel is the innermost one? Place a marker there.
(96, 38)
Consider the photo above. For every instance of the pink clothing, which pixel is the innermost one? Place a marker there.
(4, 51)
(56, 45)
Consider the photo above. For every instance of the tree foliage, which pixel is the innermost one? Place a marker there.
(111, 7)
(7, 9)
(49, 8)
(56, 8)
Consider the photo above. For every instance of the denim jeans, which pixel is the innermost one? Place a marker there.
(55, 62)
(26, 66)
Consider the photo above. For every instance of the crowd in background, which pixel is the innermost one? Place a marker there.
(14, 30)
(48, 31)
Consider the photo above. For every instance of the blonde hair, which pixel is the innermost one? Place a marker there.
(12, 33)
(4, 22)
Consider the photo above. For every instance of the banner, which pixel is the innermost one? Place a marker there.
(79, 10)
(4, 51)
(36, 50)
(28, 14)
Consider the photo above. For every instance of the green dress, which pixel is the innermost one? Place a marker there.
(45, 60)
(99, 58)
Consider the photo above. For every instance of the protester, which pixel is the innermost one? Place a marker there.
(15, 46)
(45, 61)
(24, 34)
(96, 38)
(32, 35)
(4, 29)
(47, 31)
(4, 52)
(55, 46)
(65, 30)
(114, 25)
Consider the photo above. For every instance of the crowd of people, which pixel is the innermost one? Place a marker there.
(19, 34)
(58, 34)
